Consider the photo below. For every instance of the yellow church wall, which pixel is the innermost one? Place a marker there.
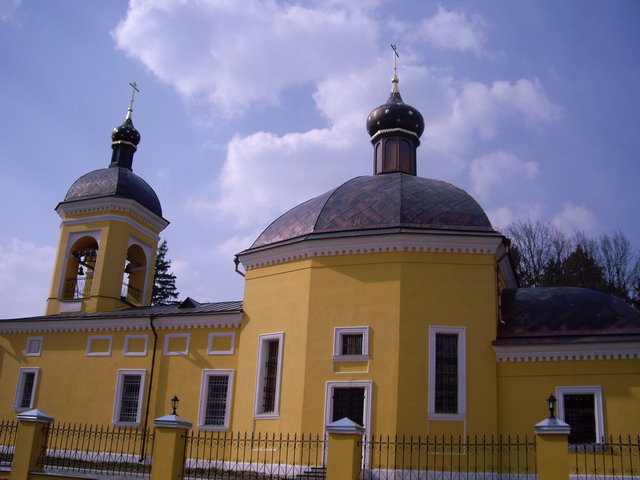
(276, 300)
(75, 387)
(397, 295)
(525, 386)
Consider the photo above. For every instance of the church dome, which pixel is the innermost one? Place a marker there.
(395, 202)
(114, 182)
(126, 133)
(395, 115)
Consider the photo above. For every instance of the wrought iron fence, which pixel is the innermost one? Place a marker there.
(215, 455)
(427, 458)
(77, 287)
(8, 430)
(613, 458)
(103, 450)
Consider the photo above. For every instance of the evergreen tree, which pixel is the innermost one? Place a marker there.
(164, 283)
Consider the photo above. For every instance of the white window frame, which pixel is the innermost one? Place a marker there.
(211, 341)
(118, 397)
(93, 338)
(20, 389)
(167, 340)
(33, 341)
(203, 399)
(594, 390)
(462, 373)
(339, 333)
(260, 374)
(129, 338)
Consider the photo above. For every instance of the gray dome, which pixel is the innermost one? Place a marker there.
(389, 201)
(116, 182)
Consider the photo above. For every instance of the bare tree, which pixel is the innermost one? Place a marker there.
(620, 265)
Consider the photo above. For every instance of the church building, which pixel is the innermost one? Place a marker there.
(390, 300)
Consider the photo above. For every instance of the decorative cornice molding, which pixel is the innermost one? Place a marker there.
(110, 324)
(104, 204)
(567, 352)
(381, 243)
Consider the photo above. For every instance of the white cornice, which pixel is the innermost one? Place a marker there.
(110, 324)
(567, 352)
(104, 204)
(358, 245)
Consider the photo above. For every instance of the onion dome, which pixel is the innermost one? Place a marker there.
(126, 133)
(395, 116)
(369, 205)
(118, 180)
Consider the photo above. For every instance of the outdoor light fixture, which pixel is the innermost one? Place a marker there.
(551, 403)
(174, 404)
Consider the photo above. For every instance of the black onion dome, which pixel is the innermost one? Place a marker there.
(529, 313)
(116, 182)
(393, 115)
(126, 133)
(395, 201)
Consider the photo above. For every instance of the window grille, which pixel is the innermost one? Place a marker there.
(271, 377)
(579, 412)
(446, 393)
(27, 389)
(352, 344)
(129, 398)
(216, 409)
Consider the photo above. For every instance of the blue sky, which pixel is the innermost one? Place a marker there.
(247, 108)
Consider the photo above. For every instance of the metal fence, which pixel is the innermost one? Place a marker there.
(102, 450)
(217, 455)
(440, 458)
(8, 430)
(613, 458)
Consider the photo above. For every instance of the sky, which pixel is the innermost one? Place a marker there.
(248, 108)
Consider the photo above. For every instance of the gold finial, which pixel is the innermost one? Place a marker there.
(134, 87)
(395, 79)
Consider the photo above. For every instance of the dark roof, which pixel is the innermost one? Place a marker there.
(392, 200)
(114, 182)
(186, 308)
(544, 312)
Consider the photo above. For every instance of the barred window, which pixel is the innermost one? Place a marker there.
(352, 344)
(581, 408)
(129, 392)
(216, 409)
(267, 399)
(26, 389)
(446, 373)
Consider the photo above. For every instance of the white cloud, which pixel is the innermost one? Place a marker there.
(235, 54)
(25, 273)
(498, 168)
(502, 217)
(574, 218)
(452, 30)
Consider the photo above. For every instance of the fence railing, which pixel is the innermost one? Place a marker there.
(98, 450)
(8, 430)
(613, 458)
(422, 458)
(214, 455)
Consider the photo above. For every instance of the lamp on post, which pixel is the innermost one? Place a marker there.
(174, 404)
(551, 403)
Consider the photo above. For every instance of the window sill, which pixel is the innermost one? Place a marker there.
(350, 358)
(126, 424)
(266, 416)
(447, 417)
(213, 428)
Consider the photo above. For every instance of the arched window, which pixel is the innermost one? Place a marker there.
(135, 271)
(81, 263)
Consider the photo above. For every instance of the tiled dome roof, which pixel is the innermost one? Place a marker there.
(390, 201)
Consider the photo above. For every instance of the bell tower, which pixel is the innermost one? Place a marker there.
(111, 222)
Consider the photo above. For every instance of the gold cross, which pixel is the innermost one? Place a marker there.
(395, 57)
(134, 86)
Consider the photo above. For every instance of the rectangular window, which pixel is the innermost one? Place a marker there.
(351, 344)
(26, 389)
(215, 399)
(447, 379)
(267, 401)
(581, 408)
(33, 347)
(128, 400)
